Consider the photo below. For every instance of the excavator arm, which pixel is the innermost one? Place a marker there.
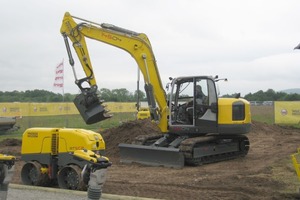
(136, 44)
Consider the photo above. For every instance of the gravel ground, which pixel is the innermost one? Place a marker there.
(18, 192)
(23, 192)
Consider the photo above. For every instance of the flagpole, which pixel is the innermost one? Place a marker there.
(63, 93)
(59, 83)
(63, 82)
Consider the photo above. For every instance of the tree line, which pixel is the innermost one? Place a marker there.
(269, 95)
(123, 95)
(115, 95)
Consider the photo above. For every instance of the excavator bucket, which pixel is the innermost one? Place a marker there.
(151, 155)
(90, 108)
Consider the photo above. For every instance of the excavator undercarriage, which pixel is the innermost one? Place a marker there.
(170, 151)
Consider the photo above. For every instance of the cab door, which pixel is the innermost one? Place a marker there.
(205, 109)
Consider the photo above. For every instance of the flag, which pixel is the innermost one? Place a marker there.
(59, 76)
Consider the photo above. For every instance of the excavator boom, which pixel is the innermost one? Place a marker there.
(136, 44)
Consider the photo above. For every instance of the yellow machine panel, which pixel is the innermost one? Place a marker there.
(78, 139)
(35, 140)
(46, 140)
(143, 113)
(233, 111)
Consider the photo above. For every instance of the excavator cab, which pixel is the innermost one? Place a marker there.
(193, 103)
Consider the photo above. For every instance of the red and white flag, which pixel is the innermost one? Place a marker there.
(59, 76)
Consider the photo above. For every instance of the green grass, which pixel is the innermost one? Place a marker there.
(262, 118)
(263, 114)
(69, 121)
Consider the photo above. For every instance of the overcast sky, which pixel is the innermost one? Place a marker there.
(249, 42)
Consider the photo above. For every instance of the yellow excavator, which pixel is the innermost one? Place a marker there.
(197, 126)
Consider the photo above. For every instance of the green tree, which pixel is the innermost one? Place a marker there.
(121, 95)
(271, 95)
(141, 94)
(105, 94)
(292, 97)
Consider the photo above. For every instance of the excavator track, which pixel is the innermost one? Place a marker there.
(210, 149)
(191, 151)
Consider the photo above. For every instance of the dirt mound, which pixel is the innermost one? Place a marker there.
(10, 142)
(126, 133)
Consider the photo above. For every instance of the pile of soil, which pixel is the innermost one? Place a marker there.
(126, 133)
(265, 173)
